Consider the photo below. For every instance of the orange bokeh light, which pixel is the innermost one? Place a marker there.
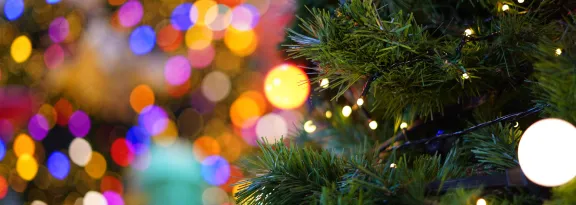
(64, 110)
(204, 147)
(241, 43)
(110, 183)
(178, 90)
(116, 2)
(23, 144)
(286, 87)
(141, 97)
(3, 187)
(243, 109)
(169, 39)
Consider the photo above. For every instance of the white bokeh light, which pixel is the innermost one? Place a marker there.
(272, 127)
(216, 86)
(80, 151)
(546, 152)
(94, 198)
(214, 196)
(218, 17)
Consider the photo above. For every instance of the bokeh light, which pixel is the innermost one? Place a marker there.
(177, 70)
(242, 43)
(214, 195)
(54, 56)
(110, 183)
(21, 48)
(201, 58)
(286, 87)
(38, 202)
(244, 17)
(180, 17)
(216, 86)
(59, 29)
(94, 198)
(141, 96)
(52, 1)
(139, 138)
(3, 187)
(116, 2)
(13, 9)
(122, 152)
(272, 127)
(113, 198)
(169, 38)
(130, 13)
(38, 127)
(198, 37)
(243, 109)
(198, 15)
(218, 17)
(2, 149)
(75, 21)
(58, 165)
(215, 170)
(80, 151)
(205, 146)
(168, 136)
(6, 130)
(154, 119)
(261, 5)
(63, 110)
(79, 124)
(27, 167)
(49, 114)
(96, 167)
(23, 144)
(142, 40)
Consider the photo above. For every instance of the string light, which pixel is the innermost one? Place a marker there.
(558, 51)
(520, 1)
(393, 165)
(481, 201)
(360, 102)
(468, 32)
(373, 125)
(309, 126)
(328, 114)
(346, 111)
(465, 76)
(517, 124)
(505, 7)
(324, 83)
(404, 125)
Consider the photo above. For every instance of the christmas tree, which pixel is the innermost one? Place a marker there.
(429, 102)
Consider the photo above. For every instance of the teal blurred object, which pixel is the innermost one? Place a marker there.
(173, 175)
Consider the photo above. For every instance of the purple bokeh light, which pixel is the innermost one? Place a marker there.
(154, 119)
(59, 29)
(79, 124)
(38, 127)
(130, 13)
(177, 70)
(215, 170)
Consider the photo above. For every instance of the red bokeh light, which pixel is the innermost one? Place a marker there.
(122, 152)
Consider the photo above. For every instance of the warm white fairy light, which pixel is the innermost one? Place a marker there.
(393, 165)
(404, 125)
(309, 126)
(468, 32)
(360, 102)
(328, 114)
(373, 124)
(465, 76)
(558, 51)
(481, 201)
(520, 1)
(505, 7)
(346, 111)
(324, 83)
(517, 124)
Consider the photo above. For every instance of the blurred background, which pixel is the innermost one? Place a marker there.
(141, 101)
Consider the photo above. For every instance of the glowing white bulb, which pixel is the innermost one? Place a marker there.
(558, 51)
(465, 76)
(360, 102)
(346, 111)
(404, 125)
(520, 1)
(373, 125)
(324, 83)
(546, 152)
(328, 114)
(309, 126)
(505, 7)
(393, 165)
(468, 32)
(481, 201)
(517, 124)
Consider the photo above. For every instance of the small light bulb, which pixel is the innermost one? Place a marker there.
(468, 32)
(481, 201)
(465, 76)
(328, 114)
(393, 165)
(360, 102)
(309, 126)
(324, 83)
(373, 125)
(517, 124)
(505, 7)
(520, 1)
(404, 125)
(346, 111)
(558, 51)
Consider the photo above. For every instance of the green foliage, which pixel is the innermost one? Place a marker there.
(565, 194)
(495, 146)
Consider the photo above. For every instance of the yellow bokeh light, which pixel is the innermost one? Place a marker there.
(505, 7)
(23, 144)
(286, 87)
(558, 51)
(96, 167)
(198, 37)
(346, 111)
(74, 26)
(27, 167)
(360, 102)
(243, 109)
(328, 114)
(309, 126)
(168, 136)
(21, 49)
(241, 43)
(373, 125)
(481, 201)
(199, 13)
(468, 32)
(403, 125)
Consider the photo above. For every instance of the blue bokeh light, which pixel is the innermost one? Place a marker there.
(142, 40)
(2, 150)
(52, 1)
(58, 165)
(139, 138)
(180, 17)
(13, 9)
(215, 170)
